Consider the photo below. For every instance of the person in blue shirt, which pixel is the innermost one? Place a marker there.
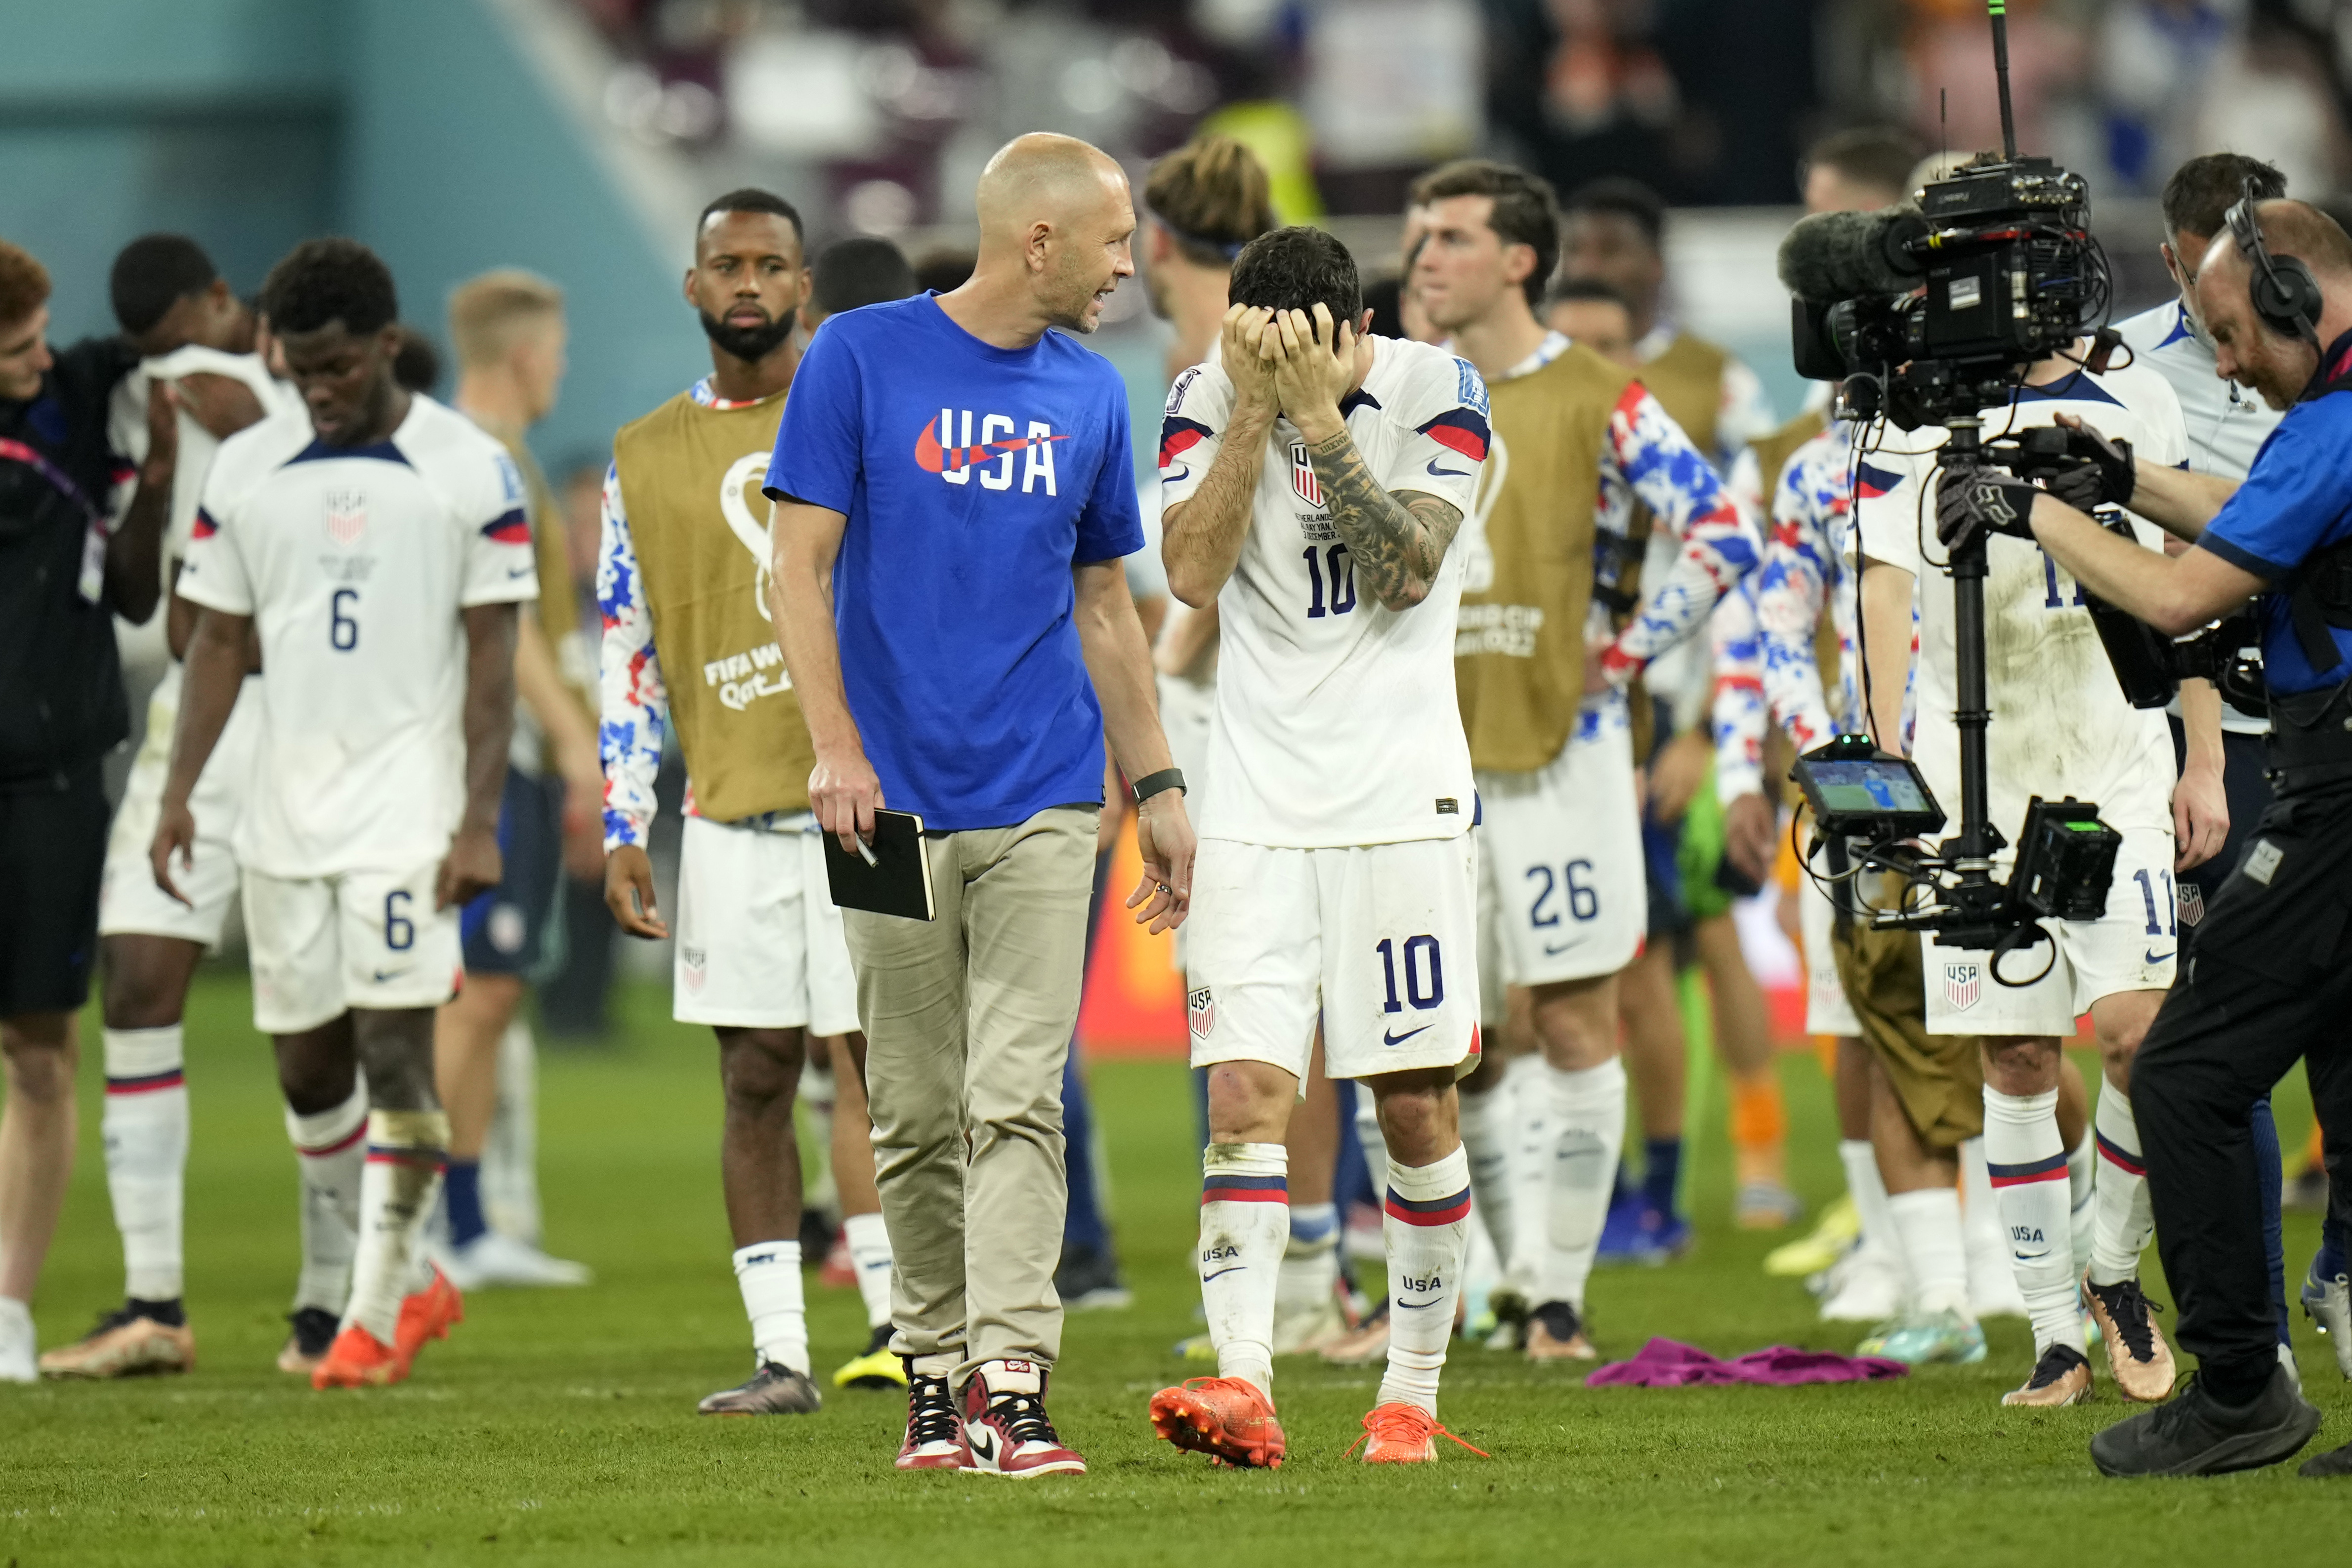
(954, 493)
(2272, 973)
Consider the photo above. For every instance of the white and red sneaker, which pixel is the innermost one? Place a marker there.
(1005, 1420)
(935, 1436)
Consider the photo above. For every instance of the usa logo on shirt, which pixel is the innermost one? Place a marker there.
(1963, 983)
(346, 515)
(1303, 482)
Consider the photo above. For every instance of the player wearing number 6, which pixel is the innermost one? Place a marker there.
(378, 550)
(1313, 478)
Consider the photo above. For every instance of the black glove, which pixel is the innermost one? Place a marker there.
(1971, 497)
(2110, 460)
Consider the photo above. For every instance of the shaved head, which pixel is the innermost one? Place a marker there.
(1056, 221)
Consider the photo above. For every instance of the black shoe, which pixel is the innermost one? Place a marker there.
(2196, 1435)
(1555, 1332)
(772, 1390)
(314, 1329)
(2335, 1462)
(1088, 1280)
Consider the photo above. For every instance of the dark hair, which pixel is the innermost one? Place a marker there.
(417, 363)
(1877, 156)
(1525, 209)
(1628, 199)
(23, 285)
(1572, 290)
(153, 273)
(323, 281)
(861, 271)
(751, 199)
(1384, 298)
(944, 270)
(1212, 195)
(2202, 191)
(1296, 270)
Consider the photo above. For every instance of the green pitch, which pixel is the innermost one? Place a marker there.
(558, 1427)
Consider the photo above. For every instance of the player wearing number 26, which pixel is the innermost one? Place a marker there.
(1315, 478)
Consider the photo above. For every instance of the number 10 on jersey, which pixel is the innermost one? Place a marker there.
(1334, 565)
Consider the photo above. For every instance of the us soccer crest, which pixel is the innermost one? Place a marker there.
(2192, 903)
(1963, 983)
(1200, 1006)
(346, 515)
(1303, 483)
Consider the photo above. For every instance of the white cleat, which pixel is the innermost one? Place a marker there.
(2328, 1304)
(494, 1259)
(1307, 1330)
(18, 1362)
(1866, 1289)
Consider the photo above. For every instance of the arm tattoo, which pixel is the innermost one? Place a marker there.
(1399, 540)
(1201, 537)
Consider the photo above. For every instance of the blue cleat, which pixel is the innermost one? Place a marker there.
(1943, 1338)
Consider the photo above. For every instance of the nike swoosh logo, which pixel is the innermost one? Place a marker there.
(1164, 478)
(2031, 1257)
(1554, 949)
(520, 571)
(384, 975)
(1388, 1039)
(983, 1442)
(1437, 473)
(1416, 1306)
(2153, 958)
(1222, 1273)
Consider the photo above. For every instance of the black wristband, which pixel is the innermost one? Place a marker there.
(1151, 784)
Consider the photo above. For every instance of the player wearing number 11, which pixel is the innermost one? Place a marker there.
(1313, 478)
(379, 550)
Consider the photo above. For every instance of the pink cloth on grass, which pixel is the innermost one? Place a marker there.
(1669, 1363)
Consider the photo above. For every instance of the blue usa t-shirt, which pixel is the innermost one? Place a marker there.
(2296, 500)
(973, 479)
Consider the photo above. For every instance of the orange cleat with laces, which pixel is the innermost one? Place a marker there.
(1402, 1434)
(1225, 1417)
(426, 1315)
(359, 1360)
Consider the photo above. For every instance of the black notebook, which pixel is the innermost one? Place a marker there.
(897, 880)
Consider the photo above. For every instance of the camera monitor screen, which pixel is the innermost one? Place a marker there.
(1880, 791)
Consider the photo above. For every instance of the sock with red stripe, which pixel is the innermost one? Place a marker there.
(2124, 1220)
(1244, 1229)
(329, 1147)
(398, 1184)
(1588, 1126)
(2027, 1162)
(145, 1125)
(1428, 1230)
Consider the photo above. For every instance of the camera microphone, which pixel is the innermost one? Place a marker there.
(1831, 257)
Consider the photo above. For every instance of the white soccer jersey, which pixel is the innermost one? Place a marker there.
(2059, 724)
(1336, 722)
(2226, 424)
(354, 563)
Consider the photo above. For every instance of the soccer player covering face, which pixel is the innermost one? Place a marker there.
(378, 550)
(1543, 663)
(1315, 478)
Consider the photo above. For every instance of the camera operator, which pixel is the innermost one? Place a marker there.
(2273, 971)
(2062, 727)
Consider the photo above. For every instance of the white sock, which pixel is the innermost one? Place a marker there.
(1993, 1289)
(2082, 1196)
(769, 1275)
(1486, 1136)
(1244, 1228)
(397, 1188)
(816, 1093)
(1868, 1190)
(1928, 1227)
(2123, 1217)
(1310, 1261)
(1528, 1125)
(869, 1254)
(2026, 1161)
(1428, 1227)
(1588, 1125)
(329, 1150)
(511, 1154)
(146, 1126)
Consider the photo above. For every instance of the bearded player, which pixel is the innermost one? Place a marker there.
(1578, 442)
(1315, 478)
(378, 552)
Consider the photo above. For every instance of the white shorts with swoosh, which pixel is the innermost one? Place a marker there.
(1561, 895)
(363, 939)
(1381, 940)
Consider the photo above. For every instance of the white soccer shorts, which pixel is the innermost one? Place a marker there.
(1560, 888)
(1381, 940)
(2129, 950)
(129, 902)
(759, 942)
(1827, 1011)
(360, 939)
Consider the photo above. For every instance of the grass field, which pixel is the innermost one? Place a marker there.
(560, 1426)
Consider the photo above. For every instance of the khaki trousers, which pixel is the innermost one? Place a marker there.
(968, 1020)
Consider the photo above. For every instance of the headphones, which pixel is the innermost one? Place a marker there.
(2283, 291)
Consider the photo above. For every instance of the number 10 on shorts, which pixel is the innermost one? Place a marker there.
(1424, 973)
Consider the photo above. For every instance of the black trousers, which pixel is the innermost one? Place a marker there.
(2269, 980)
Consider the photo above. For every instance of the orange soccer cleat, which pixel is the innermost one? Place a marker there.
(1225, 1418)
(1402, 1434)
(359, 1360)
(427, 1314)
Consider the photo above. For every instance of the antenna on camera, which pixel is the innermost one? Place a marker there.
(1999, 9)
